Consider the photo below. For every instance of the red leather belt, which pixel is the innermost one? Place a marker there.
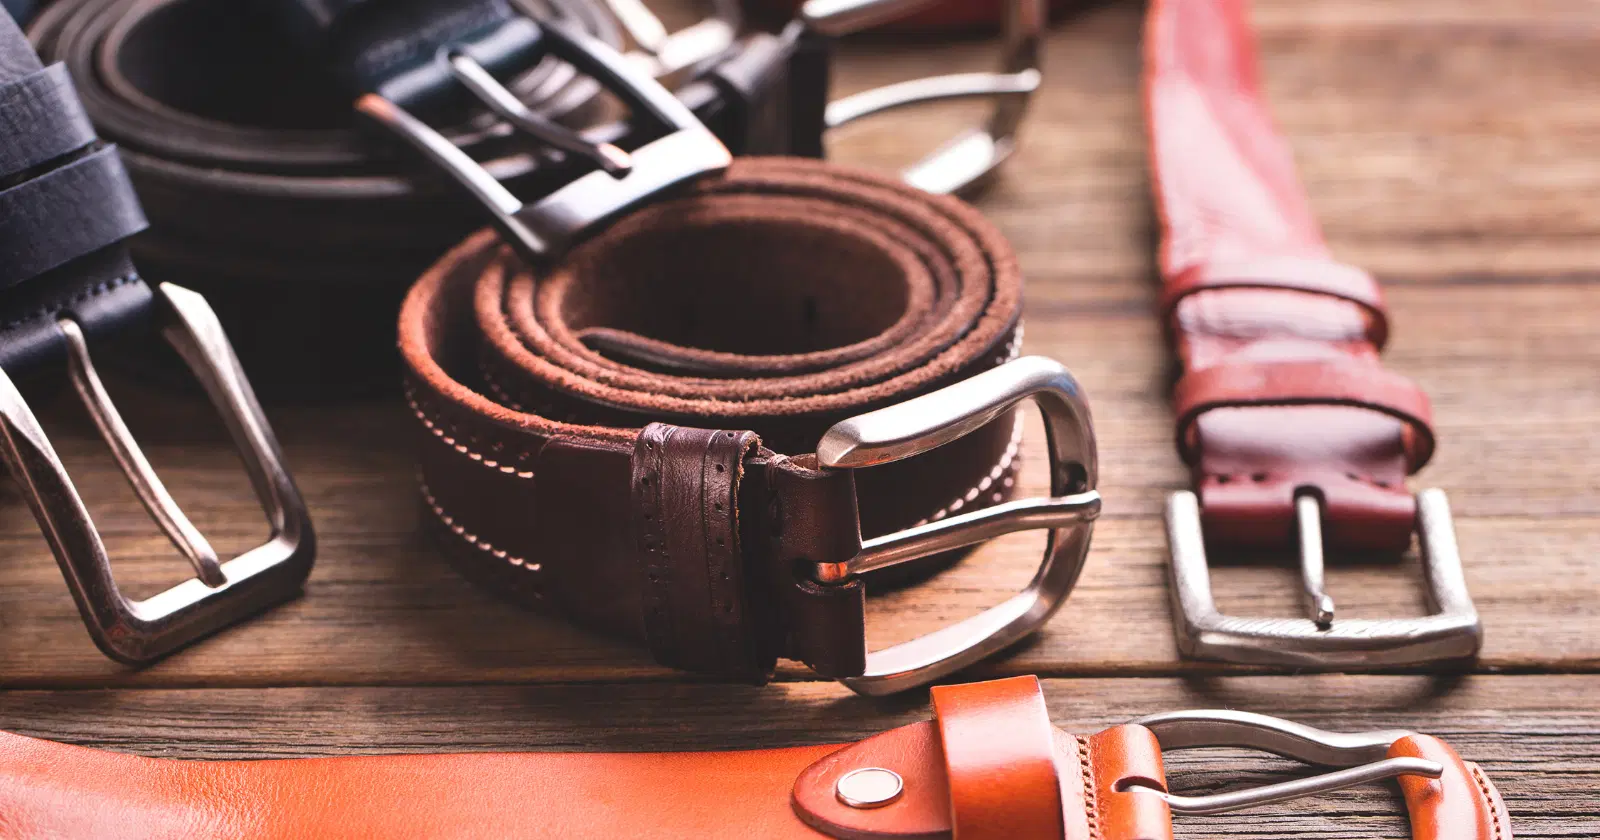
(601, 437)
(989, 765)
(1292, 427)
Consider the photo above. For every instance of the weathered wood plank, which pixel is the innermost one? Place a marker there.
(1450, 148)
(1535, 735)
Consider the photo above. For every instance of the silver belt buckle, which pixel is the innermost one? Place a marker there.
(1362, 757)
(965, 160)
(930, 421)
(621, 179)
(1319, 640)
(137, 632)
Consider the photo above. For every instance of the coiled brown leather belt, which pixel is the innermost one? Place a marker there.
(304, 231)
(265, 196)
(988, 766)
(766, 308)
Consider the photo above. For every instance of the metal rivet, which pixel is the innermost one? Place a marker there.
(869, 787)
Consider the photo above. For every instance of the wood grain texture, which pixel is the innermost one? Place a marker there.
(1451, 148)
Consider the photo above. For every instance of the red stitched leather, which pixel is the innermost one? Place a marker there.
(999, 752)
(1282, 385)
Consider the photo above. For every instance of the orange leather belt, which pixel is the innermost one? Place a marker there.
(601, 437)
(990, 765)
(1292, 427)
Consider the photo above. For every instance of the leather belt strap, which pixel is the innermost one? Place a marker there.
(266, 193)
(761, 307)
(1282, 391)
(1289, 422)
(1111, 785)
(1000, 761)
(67, 281)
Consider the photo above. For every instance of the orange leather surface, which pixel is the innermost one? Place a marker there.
(58, 791)
(1251, 286)
(50, 790)
(1460, 805)
(1000, 760)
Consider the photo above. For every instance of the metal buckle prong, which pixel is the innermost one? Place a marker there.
(965, 160)
(1453, 631)
(930, 421)
(146, 483)
(508, 107)
(1362, 756)
(1308, 516)
(540, 230)
(140, 631)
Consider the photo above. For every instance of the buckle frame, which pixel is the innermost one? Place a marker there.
(963, 162)
(547, 227)
(138, 632)
(1361, 757)
(1453, 631)
(932, 420)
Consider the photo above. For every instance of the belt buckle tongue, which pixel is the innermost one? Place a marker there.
(622, 180)
(1453, 631)
(1361, 757)
(932, 420)
(137, 632)
(966, 159)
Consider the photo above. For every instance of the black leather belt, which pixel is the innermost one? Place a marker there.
(265, 194)
(67, 281)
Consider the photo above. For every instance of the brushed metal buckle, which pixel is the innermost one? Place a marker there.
(621, 179)
(963, 161)
(220, 594)
(1453, 631)
(1362, 756)
(930, 421)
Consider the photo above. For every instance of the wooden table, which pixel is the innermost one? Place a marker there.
(1451, 147)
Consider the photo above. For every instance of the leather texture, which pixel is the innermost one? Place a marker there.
(1460, 805)
(65, 208)
(58, 791)
(535, 394)
(1282, 388)
(304, 226)
(1000, 760)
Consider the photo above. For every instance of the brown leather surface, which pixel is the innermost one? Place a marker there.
(1282, 387)
(1460, 805)
(1000, 760)
(768, 303)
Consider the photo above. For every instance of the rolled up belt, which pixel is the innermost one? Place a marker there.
(267, 195)
(989, 765)
(601, 437)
